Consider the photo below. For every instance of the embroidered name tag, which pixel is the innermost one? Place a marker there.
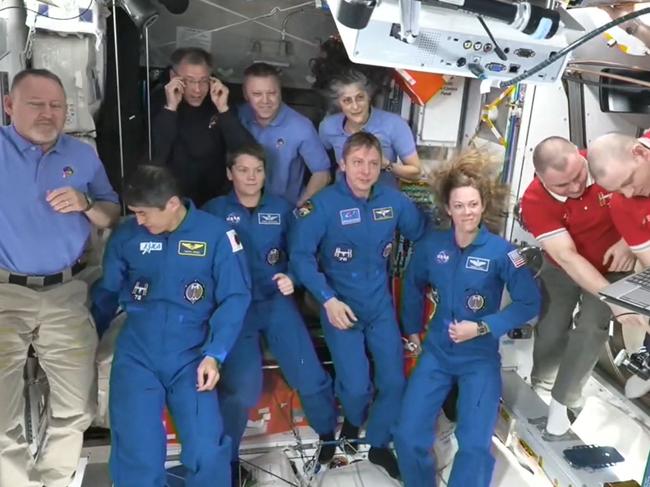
(477, 264)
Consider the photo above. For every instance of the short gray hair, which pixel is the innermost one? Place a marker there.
(37, 73)
(609, 150)
(552, 153)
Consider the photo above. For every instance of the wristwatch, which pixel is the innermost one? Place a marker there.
(483, 328)
(389, 167)
(90, 202)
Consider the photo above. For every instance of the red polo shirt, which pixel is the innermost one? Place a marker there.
(632, 219)
(586, 219)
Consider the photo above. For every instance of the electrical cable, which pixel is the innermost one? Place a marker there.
(268, 472)
(574, 45)
(607, 64)
(497, 48)
(576, 79)
(617, 77)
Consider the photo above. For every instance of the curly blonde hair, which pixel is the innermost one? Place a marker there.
(478, 170)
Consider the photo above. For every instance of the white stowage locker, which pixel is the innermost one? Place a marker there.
(73, 59)
(68, 39)
(66, 16)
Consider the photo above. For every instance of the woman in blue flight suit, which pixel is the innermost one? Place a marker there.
(468, 266)
(350, 90)
(262, 222)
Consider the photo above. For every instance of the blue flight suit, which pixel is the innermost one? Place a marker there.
(340, 247)
(263, 232)
(185, 294)
(469, 284)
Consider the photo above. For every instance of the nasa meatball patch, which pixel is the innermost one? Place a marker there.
(233, 218)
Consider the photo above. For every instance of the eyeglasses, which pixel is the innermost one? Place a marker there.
(197, 82)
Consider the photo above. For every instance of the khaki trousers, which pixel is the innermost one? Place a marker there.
(56, 321)
(567, 347)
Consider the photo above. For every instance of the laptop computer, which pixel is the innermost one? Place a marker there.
(632, 292)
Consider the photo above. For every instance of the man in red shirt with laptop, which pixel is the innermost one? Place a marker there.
(621, 164)
(570, 217)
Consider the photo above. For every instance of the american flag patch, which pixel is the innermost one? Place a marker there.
(516, 258)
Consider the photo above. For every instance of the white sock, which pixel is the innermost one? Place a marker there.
(636, 387)
(558, 421)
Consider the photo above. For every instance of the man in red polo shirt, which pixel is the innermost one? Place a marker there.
(569, 215)
(621, 164)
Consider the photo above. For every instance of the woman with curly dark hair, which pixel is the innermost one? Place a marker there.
(350, 89)
(468, 265)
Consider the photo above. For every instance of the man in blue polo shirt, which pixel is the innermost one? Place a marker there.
(289, 139)
(53, 188)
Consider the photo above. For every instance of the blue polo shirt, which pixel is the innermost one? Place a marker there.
(392, 131)
(35, 239)
(291, 143)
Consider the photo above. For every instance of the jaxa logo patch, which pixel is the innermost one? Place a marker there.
(192, 248)
(194, 292)
(442, 257)
(304, 210)
(350, 216)
(477, 264)
(343, 254)
(233, 218)
(148, 247)
(269, 218)
(140, 289)
(379, 214)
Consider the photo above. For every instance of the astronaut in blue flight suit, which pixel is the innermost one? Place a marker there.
(467, 266)
(262, 222)
(340, 247)
(182, 278)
